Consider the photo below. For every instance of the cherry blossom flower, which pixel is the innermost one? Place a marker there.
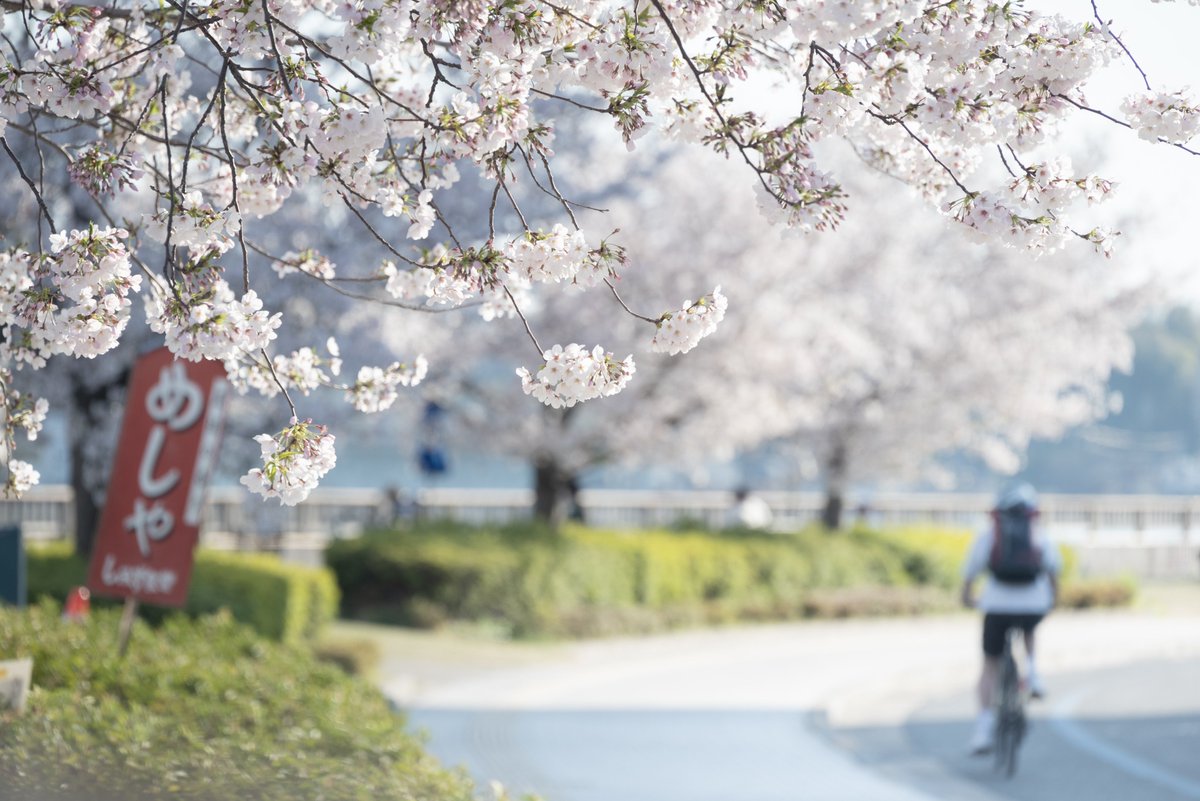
(294, 462)
(573, 374)
(682, 330)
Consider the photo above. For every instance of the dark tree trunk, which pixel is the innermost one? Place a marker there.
(555, 494)
(90, 407)
(831, 513)
(86, 510)
(835, 488)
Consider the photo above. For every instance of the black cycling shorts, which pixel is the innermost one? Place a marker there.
(996, 624)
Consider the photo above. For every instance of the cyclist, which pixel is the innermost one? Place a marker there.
(1020, 589)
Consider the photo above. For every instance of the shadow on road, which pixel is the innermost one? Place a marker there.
(1147, 758)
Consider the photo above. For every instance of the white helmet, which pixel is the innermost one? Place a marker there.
(1017, 497)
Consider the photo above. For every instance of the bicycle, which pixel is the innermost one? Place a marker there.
(1011, 723)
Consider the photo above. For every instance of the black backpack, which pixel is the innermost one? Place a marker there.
(1015, 559)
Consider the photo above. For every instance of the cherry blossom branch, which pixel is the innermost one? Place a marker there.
(570, 101)
(728, 132)
(332, 285)
(517, 308)
(168, 263)
(1000, 150)
(492, 212)
(29, 182)
(1017, 159)
(212, 101)
(378, 236)
(566, 12)
(173, 36)
(234, 180)
(513, 201)
(1122, 123)
(891, 119)
(559, 195)
(279, 383)
(367, 82)
(269, 18)
(630, 311)
(438, 75)
(1107, 29)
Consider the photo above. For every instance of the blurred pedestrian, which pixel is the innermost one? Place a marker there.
(1020, 589)
(748, 510)
(401, 507)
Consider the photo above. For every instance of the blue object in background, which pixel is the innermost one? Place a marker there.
(432, 461)
(431, 455)
(12, 566)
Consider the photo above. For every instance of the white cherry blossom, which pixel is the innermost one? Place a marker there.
(294, 461)
(573, 374)
(682, 330)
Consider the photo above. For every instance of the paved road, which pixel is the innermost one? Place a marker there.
(870, 711)
(1129, 732)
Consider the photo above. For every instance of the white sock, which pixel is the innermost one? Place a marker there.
(1031, 663)
(986, 718)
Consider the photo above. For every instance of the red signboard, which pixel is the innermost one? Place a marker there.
(169, 442)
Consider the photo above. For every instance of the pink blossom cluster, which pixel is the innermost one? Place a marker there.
(682, 330)
(553, 257)
(573, 374)
(303, 370)
(26, 412)
(74, 300)
(195, 224)
(431, 286)
(375, 388)
(203, 319)
(294, 461)
(1168, 116)
(1053, 184)
(22, 477)
(308, 262)
(19, 411)
(991, 217)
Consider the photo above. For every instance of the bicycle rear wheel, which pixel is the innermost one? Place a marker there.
(1010, 712)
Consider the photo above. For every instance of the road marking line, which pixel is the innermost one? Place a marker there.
(1078, 736)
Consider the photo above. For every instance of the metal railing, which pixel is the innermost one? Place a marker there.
(1145, 535)
(232, 513)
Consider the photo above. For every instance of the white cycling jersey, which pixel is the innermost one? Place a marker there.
(1034, 598)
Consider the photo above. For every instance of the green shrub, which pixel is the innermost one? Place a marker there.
(1094, 593)
(201, 709)
(281, 601)
(52, 570)
(530, 582)
(358, 656)
(587, 582)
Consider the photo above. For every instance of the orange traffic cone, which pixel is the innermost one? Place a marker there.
(79, 603)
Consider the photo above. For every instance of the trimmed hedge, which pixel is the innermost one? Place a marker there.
(201, 709)
(1095, 593)
(585, 582)
(281, 601)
